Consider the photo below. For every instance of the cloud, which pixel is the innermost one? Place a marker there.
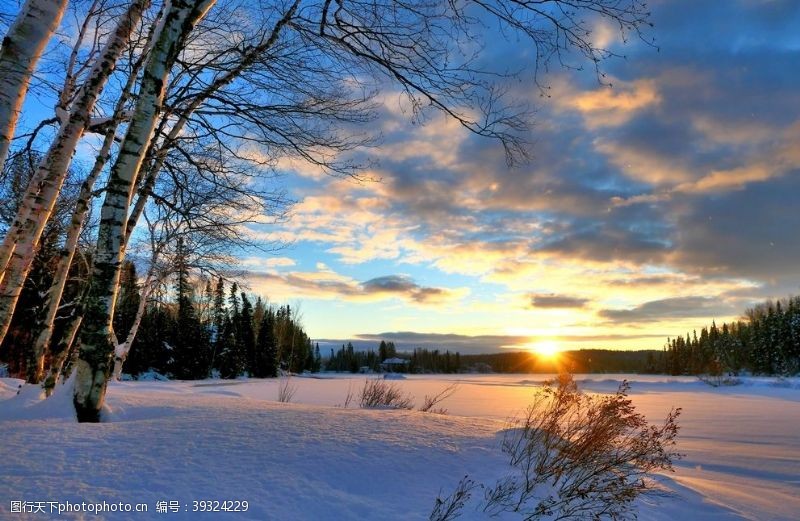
(679, 180)
(402, 285)
(551, 300)
(669, 308)
(611, 105)
(749, 233)
(328, 285)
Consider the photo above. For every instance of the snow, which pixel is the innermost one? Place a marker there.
(230, 440)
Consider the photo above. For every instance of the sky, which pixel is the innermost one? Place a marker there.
(649, 208)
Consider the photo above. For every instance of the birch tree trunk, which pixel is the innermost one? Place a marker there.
(43, 329)
(96, 352)
(22, 47)
(38, 206)
(121, 350)
(67, 92)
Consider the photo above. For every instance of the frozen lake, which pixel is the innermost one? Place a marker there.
(318, 461)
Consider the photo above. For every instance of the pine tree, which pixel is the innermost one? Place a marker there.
(190, 355)
(317, 359)
(233, 301)
(231, 360)
(218, 309)
(266, 347)
(259, 309)
(246, 338)
(218, 319)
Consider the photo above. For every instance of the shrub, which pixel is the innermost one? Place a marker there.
(382, 394)
(448, 508)
(286, 389)
(574, 456)
(581, 456)
(430, 402)
(718, 380)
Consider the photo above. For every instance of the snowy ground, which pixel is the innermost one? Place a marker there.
(220, 440)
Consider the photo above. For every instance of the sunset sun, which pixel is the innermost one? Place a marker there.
(546, 348)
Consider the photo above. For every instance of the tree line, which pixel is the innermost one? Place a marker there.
(347, 359)
(217, 332)
(766, 342)
(435, 361)
(192, 330)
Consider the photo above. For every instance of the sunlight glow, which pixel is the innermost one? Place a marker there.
(546, 348)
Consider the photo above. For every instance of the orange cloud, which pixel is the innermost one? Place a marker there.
(611, 106)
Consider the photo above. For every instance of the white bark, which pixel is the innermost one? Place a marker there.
(44, 326)
(21, 49)
(37, 207)
(45, 322)
(93, 365)
(61, 354)
(62, 114)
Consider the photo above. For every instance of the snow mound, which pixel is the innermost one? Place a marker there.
(30, 404)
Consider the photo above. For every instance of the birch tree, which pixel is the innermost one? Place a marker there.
(21, 49)
(93, 366)
(229, 187)
(190, 220)
(38, 204)
(43, 327)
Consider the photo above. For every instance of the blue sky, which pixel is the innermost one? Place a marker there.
(648, 209)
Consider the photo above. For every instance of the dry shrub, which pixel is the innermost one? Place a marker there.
(380, 394)
(448, 508)
(348, 399)
(286, 389)
(574, 456)
(582, 456)
(430, 402)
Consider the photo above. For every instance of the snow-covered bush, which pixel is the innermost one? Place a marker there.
(382, 394)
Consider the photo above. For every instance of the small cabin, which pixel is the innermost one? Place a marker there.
(394, 364)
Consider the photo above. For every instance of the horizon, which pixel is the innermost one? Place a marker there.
(327, 344)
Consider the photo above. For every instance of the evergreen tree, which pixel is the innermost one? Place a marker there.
(267, 347)
(259, 309)
(218, 308)
(317, 360)
(246, 337)
(190, 359)
(231, 362)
